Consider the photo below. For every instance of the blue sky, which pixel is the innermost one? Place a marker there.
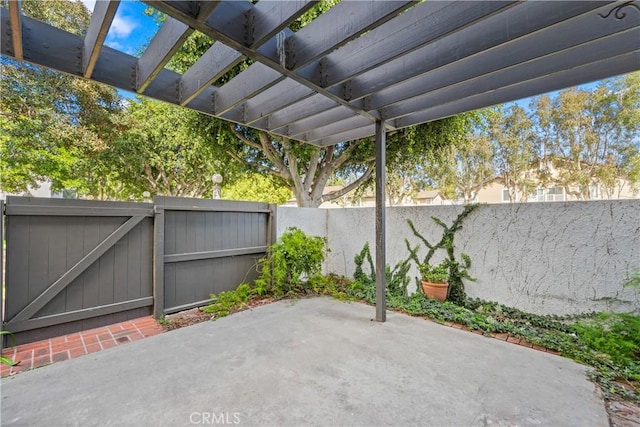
(132, 30)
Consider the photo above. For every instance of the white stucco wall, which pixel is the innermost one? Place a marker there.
(311, 221)
(549, 258)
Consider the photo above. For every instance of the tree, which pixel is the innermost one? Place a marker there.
(515, 151)
(258, 188)
(465, 166)
(591, 136)
(54, 126)
(161, 153)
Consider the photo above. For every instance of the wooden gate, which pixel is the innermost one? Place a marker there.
(75, 264)
(204, 247)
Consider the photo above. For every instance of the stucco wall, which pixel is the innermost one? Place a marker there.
(552, 258)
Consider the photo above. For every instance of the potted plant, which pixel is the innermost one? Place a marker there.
(435, 280)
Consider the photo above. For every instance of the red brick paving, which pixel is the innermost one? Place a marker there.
(58, 349)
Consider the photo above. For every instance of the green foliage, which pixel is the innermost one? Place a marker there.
(363, 285)
(591, 136)
(4, 360)
(55, 126)
(633, 281)
(231, 301)
(258, 188)
(161, 153)
(434, 274)
(458, 270)
(614, 335)
(293, 257)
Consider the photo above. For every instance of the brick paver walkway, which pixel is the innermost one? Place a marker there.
(40, 353)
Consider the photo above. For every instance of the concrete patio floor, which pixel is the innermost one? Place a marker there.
(308, 362)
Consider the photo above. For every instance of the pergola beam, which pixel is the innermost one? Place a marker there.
(15, 17)
(350, 135)
(302, 110)
(513, 25)
(271, 17)
(425, 23)
(336, 128)
(103, 14)
(338, 26)
(273, 99)
(251, 82)
(328, 116)
(557, 41)
(510, 83)
(216, 28)
(169, 38)
(215, 62)
(435, 60)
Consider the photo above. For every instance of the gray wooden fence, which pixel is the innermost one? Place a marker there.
(74, 264)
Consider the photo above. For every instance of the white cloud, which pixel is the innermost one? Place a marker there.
(122, 27)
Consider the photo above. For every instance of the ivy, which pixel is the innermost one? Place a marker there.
(458, 269)
(363, 286)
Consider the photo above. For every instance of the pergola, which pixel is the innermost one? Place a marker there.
(362, 68)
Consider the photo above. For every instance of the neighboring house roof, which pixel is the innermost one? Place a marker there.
(429, 194)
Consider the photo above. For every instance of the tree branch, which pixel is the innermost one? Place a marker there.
(339, 193)
(242, 138)
(272, 154)
(313, 167)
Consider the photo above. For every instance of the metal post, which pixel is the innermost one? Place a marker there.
(381, 303)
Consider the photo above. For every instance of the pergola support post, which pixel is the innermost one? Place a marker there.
(381, 286)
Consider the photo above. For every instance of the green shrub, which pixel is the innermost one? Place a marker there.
(294, 257)
(434, 273)
(4, 360)
(615, 335)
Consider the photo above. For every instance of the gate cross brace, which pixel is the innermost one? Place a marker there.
(36, 305)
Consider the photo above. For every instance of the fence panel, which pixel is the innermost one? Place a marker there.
(75, 264)
(209, 246)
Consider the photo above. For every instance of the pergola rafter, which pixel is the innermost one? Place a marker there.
(15, 18)
(359, 62)
(101, 20)
(360, 69)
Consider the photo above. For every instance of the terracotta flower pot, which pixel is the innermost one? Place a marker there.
(435, 290)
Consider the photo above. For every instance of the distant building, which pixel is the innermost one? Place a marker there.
(551, 190)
